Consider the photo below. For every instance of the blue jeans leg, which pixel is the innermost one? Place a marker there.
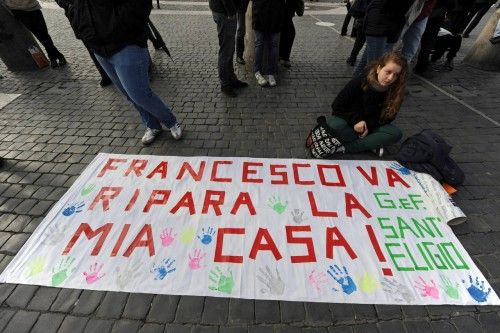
(411, 39)
(259, 51)
(375, 48)
(274, 49)
(130, 66)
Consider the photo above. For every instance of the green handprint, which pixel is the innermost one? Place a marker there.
(448, 288)
(62, 271)
(36, 266)
(187, 235)
(368, 283)
(87, 189)
(223, 283)
(276, 204)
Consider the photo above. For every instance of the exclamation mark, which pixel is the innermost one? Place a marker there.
(378, 250)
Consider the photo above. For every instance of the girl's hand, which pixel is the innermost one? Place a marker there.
(361, 128)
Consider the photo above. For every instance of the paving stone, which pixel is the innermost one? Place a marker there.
(204, 329)
(5, 315)
(14, 243)
(267, 311)
(364, 311)
(152, 328)
(163, 308)
(21, 296)
(137, 306)
(391, 326)
(466, 324)
(415, 326)
(261, 329)
(48, 323)
(5, 290)
(365, 328)
(340, 329)
(387, 312)
(126, 326)
(88, 302)
(215, 311)
(241, 311)
(174, 328)
(65, 300)
(314, 330)
(72, 324)
(189, 309)
(442, 326)
(99, 325)
(21, 322)
(317, 313)
(43, 298)
(112, 305)
(241, 329)
(489, 321)
(292, 312)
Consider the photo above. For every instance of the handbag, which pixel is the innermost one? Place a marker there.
(321, 140)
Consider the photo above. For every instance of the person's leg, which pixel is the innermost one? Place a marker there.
(226, 30)
(481, 11)
(342, 130)
(441, 45)
(347, 19)
(240, 34)
(427, 43)
(358, 45)
(105, 80)
(454, 45)
(375, 48)
(274, 44)
(411, 39)
(383, 136)
(147, 119)
(287, 37)
(259, 51)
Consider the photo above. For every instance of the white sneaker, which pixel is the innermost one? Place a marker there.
(379, 151)
(176, 131)
(150, 135)
(272, 81)
(260, 79)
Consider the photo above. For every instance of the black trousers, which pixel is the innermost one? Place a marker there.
(475, 15)
(287, 37)
(448, 42)
(427, 43)
(34, 21)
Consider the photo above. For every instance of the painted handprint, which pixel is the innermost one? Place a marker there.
(448, 287)
(92, 275)
(343, 278)
(298, 216)
(401, 169)
(274, 284)
(368, 283)
(87, 189)
(317, 279)
(54, 235)
(398, 291)
(36, 266)
(195, 260)
(62, 271)
(127, 274)
(426, 289)
(73, 209)
(164, 268)
(276, 204)
(221, 282)
(167, 237)
(477, 289)
(207, 236)
(187, 235)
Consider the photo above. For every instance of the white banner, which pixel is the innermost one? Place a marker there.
(285, 229)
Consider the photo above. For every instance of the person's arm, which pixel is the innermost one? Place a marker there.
(347, 103)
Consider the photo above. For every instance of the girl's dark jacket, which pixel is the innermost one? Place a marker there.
(107, 26)
(267, 15)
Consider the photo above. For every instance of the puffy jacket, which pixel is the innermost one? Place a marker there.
(267, 15)
(107, 26)
(228, 7)
(386, 17)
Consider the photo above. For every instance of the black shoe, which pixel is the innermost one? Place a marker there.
(240, 60)
(343, 33)
(228, 91)
(105, 82)
(495, 40)
(239, 84)
(61, 60)
(465, 36)
(350, 61)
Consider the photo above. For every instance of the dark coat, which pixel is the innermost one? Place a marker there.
(267, 15)
(228, 7)
(354, 104)
(386, 17)
(107, 26)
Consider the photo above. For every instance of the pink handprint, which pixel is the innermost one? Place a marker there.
(427, 289)
(93, 274)
(166, 237)
(195, 259)
(317, 279)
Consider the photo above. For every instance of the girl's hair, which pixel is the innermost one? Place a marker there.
(396, 91)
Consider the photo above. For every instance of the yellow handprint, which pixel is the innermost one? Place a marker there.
(36, 266)
(187, 235)
(368, 283)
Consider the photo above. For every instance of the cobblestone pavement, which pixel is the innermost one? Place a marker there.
(62, 119)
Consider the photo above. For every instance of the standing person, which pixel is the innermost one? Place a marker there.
(267, 21)
(287, 35)
(479, 9)
(224, 14)
(29, 13)
(240, 30)
(358, 11)
(116, 32)
(384, 20)
(363, 110)
(347, 19)
(445, 41)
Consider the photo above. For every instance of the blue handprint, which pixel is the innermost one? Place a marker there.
(401, 169)
(207, 237)
(476, 290)
(163, 268)
(342, 278)
(73, 209)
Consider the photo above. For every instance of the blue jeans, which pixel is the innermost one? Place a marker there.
(272, 42)
(226, 30)
(376, 46)
(128, 70)
(240, 32)
(411, 38)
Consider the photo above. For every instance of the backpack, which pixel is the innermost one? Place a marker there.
(321, 140)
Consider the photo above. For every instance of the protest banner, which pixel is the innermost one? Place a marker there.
(285, 229)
